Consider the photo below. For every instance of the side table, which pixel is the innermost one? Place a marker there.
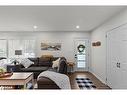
(71, 66)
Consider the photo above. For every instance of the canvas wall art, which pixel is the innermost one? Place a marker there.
(51, 46)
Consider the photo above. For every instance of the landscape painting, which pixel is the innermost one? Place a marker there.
(51, 46)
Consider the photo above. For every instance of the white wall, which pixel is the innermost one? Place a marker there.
(98, 54)
(66, 38)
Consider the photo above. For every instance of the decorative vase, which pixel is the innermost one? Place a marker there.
(15, 62)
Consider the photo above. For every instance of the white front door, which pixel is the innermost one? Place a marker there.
(81, 54)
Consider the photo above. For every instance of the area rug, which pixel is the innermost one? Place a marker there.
(85, 83)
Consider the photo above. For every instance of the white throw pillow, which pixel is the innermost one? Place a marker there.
(26, 62)
(56, 63)
(1, 63)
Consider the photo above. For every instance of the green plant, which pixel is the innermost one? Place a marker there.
(81, 48)
(2, 70)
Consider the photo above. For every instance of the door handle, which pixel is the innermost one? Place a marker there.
(119, 65)
(75, 55)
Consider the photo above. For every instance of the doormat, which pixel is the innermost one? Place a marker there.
(85, 83)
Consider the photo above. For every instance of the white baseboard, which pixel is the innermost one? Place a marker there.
(103, 81)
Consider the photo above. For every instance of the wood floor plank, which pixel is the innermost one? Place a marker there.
(89, 75)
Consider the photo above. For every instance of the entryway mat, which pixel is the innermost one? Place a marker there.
(85, 83)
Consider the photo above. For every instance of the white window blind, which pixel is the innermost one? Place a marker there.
(26, 46)
(12, 46)
(29, 48)
(3, 48)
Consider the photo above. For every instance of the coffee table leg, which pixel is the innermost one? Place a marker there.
(25, 86)
(32, 81)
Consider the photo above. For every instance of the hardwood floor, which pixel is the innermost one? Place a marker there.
(89, 75)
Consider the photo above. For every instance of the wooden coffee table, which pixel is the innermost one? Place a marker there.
(17, 79)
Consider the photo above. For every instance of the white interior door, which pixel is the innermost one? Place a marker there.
(113, 59)
(81, 54)
(123, 58)
(117, 58)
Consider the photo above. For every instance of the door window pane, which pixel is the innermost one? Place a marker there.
(81, 58)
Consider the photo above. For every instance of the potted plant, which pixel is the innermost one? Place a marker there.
(2, 71)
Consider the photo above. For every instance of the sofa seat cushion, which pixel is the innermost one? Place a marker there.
(34, 69)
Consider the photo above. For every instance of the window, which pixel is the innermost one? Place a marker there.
(3, 48)
(12, 46)
(26, 46)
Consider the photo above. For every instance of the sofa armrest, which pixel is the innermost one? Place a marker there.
(46, 83)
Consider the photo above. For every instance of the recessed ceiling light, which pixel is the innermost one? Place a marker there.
(77, 26)
(35, 27)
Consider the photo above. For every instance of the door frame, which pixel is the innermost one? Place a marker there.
(88, 54)
(107, 57)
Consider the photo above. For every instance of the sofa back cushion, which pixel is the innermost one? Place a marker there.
(46, 57)
(45, 60)
(35, 60)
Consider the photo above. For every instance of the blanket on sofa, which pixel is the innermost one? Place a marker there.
(61, 80)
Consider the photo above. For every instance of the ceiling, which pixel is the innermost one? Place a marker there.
(55, 18)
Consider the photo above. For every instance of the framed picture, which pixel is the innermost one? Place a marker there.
(98, 43)
(51, 46)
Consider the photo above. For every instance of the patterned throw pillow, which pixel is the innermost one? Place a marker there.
(56, 63)
(26, 62)
(3, 63)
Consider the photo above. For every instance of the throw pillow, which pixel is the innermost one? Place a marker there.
(56, 63)
(3, 63)
(26, 62)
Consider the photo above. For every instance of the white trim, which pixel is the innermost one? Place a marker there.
(103, 81)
